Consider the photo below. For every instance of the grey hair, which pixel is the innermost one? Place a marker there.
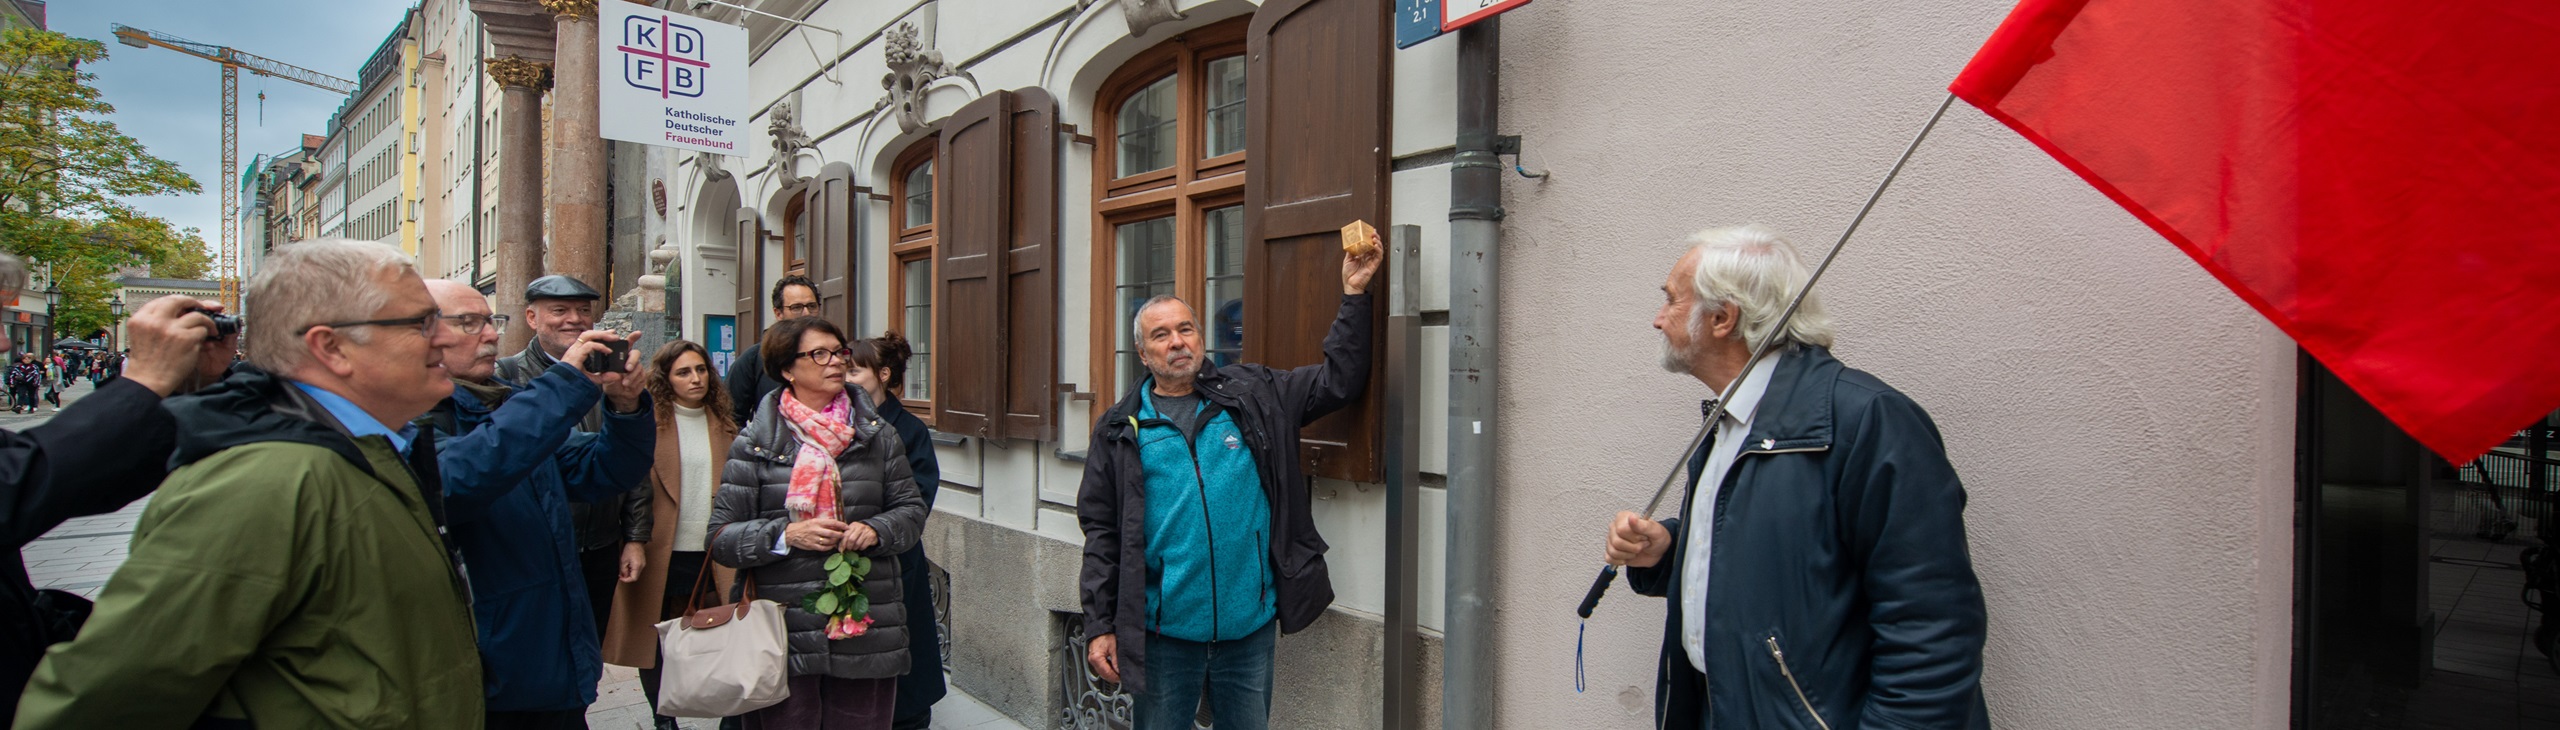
(1757, 271)
(1138, 332)
(314, 282)
(13, 273)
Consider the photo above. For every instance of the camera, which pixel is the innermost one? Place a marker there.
(224, 325)
(609, 361)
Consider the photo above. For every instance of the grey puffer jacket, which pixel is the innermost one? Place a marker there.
(877, 489)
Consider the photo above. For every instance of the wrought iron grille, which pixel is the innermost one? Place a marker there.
(941, 580)
(1090, 702)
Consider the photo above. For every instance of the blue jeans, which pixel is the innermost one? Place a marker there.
(1236, 675)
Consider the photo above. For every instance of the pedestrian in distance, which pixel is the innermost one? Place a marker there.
(290, 568)
(512, 459)
(24, 376)
(817, 478)
(104, 452)
(694, 433)
(879, 371)
(793, 297)
(1199, 549)
(560, 309)
(1816, 574)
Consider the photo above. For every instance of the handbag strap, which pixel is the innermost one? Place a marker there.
(693, 599)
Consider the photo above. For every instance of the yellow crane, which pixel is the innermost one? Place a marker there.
(233, 61)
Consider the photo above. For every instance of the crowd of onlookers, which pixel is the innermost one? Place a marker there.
(37, 380)
(375, 520)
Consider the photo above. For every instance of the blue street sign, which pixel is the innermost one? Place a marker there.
(1416, 21)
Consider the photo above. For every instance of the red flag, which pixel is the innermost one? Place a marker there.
(2381, 178)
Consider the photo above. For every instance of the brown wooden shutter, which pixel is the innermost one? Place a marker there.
(831, 245)
(750, 277)
(1031, 266)
(969, 311)
(1317, 92)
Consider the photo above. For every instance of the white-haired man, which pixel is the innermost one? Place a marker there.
(291, 571)
(1817, 569)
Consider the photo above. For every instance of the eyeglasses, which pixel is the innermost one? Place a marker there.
(426, 323)
(824, 356)
(471, 324)
(800, 310)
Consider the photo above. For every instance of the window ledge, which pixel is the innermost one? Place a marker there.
(949, 439)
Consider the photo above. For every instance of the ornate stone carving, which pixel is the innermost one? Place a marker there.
(1144, 14)
(518, 72)
(788, 139)
(709, 164)
(911, 67)
(571, 9)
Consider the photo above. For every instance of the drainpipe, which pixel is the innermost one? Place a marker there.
(1475, 233)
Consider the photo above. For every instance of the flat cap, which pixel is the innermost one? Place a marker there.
(557, 286)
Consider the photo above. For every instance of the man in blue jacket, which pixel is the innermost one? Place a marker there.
(1817, 573)
(511, 461)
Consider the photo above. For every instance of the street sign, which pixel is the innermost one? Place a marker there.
(1417, 21)
(1458, 13)
(671, 79)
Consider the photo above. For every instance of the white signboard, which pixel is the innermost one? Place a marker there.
(671, 79)
(1455, 14)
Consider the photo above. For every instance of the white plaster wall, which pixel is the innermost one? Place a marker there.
(2122, 423)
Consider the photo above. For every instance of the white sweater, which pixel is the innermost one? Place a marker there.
(693, 513)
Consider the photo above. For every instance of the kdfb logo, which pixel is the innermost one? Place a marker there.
(663, 56)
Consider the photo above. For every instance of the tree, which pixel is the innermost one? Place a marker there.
(65, 172)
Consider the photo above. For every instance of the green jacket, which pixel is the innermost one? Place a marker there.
(286, 573)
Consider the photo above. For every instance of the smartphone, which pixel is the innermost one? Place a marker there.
(610, 361)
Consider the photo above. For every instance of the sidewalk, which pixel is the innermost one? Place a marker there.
(79, 556)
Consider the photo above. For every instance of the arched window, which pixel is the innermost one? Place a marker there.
(795, 235)
(1169, 192)
(911, 210)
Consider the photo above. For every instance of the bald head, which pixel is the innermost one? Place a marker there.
(472, 357)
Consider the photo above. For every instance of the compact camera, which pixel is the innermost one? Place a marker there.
(611, 360)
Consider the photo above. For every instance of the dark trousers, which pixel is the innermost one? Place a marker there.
(603, 570)
(820, 702)
(546, 720)
(1234, 676)
(22, 396)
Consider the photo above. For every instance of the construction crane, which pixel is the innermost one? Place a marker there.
(233, 61)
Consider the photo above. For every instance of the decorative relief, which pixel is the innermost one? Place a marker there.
(571, 9)
(1144, 14)
(911, 67)
(519, 72)
(788, 138)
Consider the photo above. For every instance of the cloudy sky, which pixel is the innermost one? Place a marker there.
(172, 102)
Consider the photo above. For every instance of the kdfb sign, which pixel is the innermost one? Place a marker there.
(670, 79)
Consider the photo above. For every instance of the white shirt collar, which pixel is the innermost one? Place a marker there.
(1746, 400)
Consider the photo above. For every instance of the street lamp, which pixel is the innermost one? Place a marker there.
(52, 297)
(115, 306)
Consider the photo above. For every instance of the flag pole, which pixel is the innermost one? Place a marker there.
(1609, 574)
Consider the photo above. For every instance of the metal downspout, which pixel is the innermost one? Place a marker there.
(1467, 696)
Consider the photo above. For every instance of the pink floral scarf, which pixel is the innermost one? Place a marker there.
(823, 435)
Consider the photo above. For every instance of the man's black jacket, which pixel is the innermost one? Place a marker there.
(105, 451)
(1840, 591)
(747, 383)
(1269, 406)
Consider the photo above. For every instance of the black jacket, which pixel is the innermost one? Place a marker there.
(1840, 583)
(922, 686)
(1269, 406)
(618, 519)
(747, 384)
(102, 453)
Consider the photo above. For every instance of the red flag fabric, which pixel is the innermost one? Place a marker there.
(2381, 178)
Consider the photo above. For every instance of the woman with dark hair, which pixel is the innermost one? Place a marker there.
(880, 369)
(694, 433)
(817, 488)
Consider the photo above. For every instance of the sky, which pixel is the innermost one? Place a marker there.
(172, 102)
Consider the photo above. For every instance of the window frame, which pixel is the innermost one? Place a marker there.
(909, 244)
(795, 218)
(1194, 184)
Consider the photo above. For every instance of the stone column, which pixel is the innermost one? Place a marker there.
(519, 130)
(577, 245)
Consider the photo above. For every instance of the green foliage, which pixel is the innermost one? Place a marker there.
(842, 595)
(65, 171)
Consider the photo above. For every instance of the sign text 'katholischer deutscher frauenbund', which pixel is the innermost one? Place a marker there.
(671, 79)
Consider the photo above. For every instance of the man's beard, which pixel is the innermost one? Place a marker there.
(1675, 360)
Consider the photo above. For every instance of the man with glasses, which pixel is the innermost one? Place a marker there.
(793, 297)
(560, 310)
(512, 461)
(290, 569)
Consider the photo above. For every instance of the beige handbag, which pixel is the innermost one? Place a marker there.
(726, 660)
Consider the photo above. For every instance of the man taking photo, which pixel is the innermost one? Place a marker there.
(1193, 492)
(560, 310)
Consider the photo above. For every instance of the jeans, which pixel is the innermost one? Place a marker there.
(1235, 674)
